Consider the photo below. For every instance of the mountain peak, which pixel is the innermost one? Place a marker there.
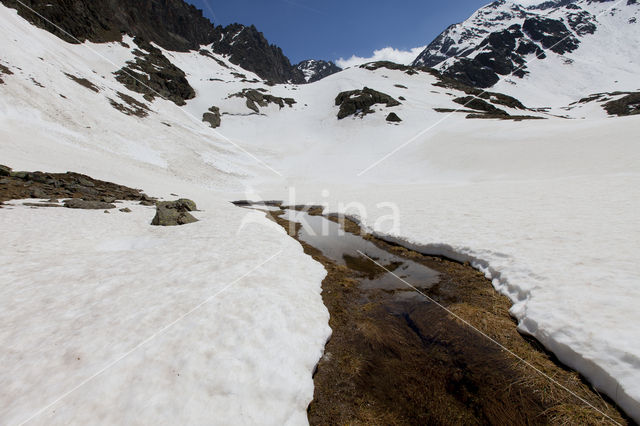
(502, 41)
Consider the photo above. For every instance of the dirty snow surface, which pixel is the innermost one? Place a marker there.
(105, 319)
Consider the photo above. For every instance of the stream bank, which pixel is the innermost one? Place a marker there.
(396, 358)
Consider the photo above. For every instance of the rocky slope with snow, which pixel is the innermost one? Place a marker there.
(581, 46)
(171, 24)
(315, 70)
(476, 176)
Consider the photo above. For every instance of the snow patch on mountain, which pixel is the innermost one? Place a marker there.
(551, 52)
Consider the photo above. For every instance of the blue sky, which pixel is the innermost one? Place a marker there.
(331, 29)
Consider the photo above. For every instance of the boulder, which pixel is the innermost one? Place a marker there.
(393, 118)
(173, 213)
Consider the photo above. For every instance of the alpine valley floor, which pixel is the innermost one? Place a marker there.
(105, 319)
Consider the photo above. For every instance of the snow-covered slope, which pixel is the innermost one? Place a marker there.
(108, 320)
(550, 52)
(547, 208)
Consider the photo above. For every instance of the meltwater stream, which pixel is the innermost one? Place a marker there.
(395, 357)
(344, 248)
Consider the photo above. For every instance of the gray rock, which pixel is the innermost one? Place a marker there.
(126, 210)
(39, 193)
(77, 203)
(173, 213)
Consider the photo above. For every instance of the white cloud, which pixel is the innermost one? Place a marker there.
(404, 57)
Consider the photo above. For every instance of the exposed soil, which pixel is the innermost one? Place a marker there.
(83, 82)
(131, 106)
(395, 358)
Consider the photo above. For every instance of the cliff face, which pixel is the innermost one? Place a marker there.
(248, 48)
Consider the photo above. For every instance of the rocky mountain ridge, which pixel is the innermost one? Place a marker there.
(171, 24)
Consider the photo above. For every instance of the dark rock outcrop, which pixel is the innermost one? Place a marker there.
(249, 49)
(393, 118)
(314, 70)
(479, 105)
(627, 105)
(20, 185)
(553, 34)
(360, 102)
(172, 24)
(152, 74)
(497, 98)
(173, 213)
(212, 117)
(256, 98)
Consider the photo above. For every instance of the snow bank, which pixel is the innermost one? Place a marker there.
(106, 319)
(203, 332)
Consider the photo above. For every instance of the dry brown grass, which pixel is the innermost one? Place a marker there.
(392, 362)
